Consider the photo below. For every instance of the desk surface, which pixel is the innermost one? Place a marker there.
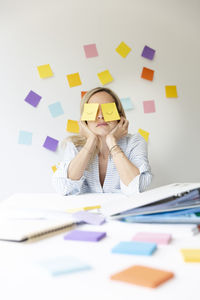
(22, 277)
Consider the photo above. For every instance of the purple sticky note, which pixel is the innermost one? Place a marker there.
(89, 218)
(152, 237)
(50, 143)
(33, 98)
(90, 50)
(149, 106)
(89, 236)
(148, 52)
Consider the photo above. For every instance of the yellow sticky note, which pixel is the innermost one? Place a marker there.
(45, 71)
(92, 207)
(72, 126)
(191, 255)
(110, 112)
(144, 133)
(74, 210)
(105, 77)
(54, 168)
(171, 91)
(123, 49)
(74, 79)
(89, 111)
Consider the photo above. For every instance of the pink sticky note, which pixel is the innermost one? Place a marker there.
(149, 106)
(152, 237)
(90, 50)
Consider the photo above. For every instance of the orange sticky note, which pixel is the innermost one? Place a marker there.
(145, 276)
(144, 133)
(123, 49)
(74, 79)
(105, 77)
(72, 126)
(147, 74)
(45, 71)
(171, 91)
(83, 94)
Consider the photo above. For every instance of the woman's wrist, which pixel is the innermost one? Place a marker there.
(110, 141)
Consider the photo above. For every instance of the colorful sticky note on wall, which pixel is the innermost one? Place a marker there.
(148, 52)
(147, 74)
(56, 109)
(105, 77)
(89, 111)
(144, 134)
(25, 137)
(45, 71)
(74, 79)
(149, 106)
(127, 103)
(83, 94)
(90, 50)
(33, 98)
(171, 91)
(54, 168)
(72, 126)
(123, 49)
(110, 112)
(50, 143)
(191, 255)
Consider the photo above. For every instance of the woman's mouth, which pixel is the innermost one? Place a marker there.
(102, 124)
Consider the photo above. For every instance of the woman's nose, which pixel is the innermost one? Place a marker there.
(99, 115)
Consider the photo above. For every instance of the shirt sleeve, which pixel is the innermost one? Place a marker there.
(137, 154)
(62, 184)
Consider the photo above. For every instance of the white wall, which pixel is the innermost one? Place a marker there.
(41, 32)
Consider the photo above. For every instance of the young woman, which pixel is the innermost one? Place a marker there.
(103, 158)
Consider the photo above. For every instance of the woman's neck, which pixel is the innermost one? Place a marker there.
(103, 148)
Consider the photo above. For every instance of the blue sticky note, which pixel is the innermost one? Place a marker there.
(56, 109)
(25, 137)
(64, 265)
(135, 248)
(127, 103)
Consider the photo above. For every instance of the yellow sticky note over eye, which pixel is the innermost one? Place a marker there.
(144, 133)
(74, 79)
(45, 71)
(72, 126)
(171, 91)
(90, 112)
(191, 255)
(105, 77)
(123, 49)
(54, 168)
(110, 112)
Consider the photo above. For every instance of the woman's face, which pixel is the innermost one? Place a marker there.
(99, 126)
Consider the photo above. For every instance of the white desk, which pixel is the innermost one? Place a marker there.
(23, 278)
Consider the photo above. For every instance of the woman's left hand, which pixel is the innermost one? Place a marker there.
(118, 132)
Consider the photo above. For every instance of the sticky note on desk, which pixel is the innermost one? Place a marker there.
(89, 218)
(152, 237)
(134, 248)
(144, 276)
(191, 255)
(81, 235)
(64, 265)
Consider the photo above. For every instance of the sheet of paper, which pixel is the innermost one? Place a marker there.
(123, 49)
(56, 109)
(147, 74)
(81, 235)
(144, 133)
(50, 143)
(134, 248)
(89, 111)
(127, 103)
(105, 77)
(45, 71)
(148, 52)
(171, 91)
(149, 106)
(72, 126)
(33, 98)
(110, 112)
(25, 137)
(74, 79)
(90, 50)
(152, 237)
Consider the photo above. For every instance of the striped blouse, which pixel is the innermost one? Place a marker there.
(134, 147)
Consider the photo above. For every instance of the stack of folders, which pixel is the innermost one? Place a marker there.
(178, 208)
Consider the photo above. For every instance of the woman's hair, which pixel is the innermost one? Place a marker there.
(78, 140)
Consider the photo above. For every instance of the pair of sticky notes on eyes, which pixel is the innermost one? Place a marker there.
(89, 218)
(109, 110)
(191, 255)
(152, 237)
(134, 248)
(83, 235)
(143, 276)
(63, 265)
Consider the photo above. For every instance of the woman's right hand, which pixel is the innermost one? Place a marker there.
(86, 132)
